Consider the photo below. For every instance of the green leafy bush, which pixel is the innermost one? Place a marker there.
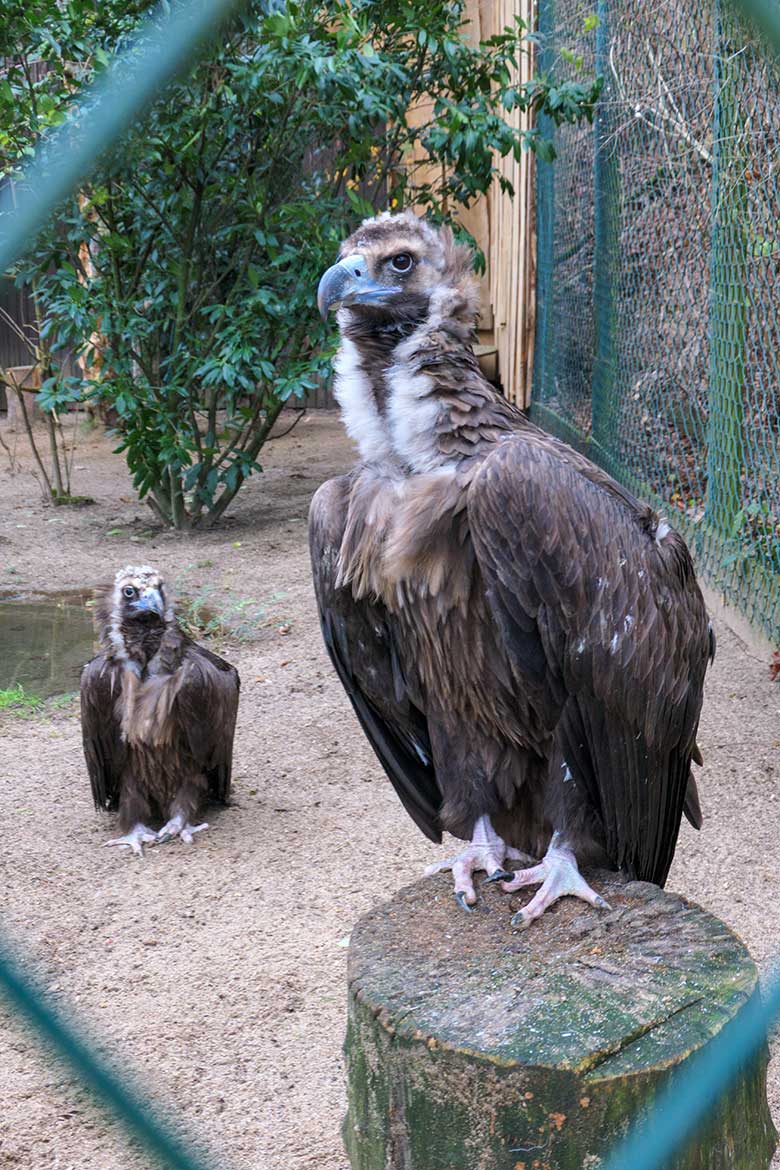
(186, 272)
(16, 700)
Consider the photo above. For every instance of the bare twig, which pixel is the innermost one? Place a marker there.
(31, 438)
(17, 329)
(292, 426)
(13, 463)
(651, 113)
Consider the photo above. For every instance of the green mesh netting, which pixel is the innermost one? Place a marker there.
(658, 332)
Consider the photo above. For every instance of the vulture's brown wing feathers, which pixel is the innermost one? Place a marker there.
(360, 637)
(104, 750)
(206, 706)
(605, 624)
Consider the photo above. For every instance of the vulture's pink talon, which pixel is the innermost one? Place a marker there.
(486, 851)
(557, 876)
(135, 840)
(178, 827)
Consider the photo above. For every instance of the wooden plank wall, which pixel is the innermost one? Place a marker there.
(17, 304)
(505, 229)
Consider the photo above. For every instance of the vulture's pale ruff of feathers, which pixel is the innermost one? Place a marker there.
(158, 713)
(523, 642)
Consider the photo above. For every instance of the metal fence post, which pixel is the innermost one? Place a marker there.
(728, 292)
(606, 260)
(544, 346)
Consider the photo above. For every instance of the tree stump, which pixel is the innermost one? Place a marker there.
(470, 1047)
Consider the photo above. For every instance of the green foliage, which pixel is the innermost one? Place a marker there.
(185, 274)
(219, 615)
(48, 48)
(16, 700)
(754, 529)
(211, 615)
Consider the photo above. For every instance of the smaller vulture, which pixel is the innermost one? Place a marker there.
(158, 713)
(522, 640)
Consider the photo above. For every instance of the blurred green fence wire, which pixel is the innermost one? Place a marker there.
(687, 1101)
(27, 1003)
(657, 347)
(658, 342)
(164, 46)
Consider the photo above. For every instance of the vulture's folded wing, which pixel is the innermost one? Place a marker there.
(104, 750)
(205, 707)
(603, 623)
(360, 637)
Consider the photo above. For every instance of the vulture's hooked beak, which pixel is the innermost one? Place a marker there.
(348, 283)
(150, 601)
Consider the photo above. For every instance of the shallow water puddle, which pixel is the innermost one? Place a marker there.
(44, 643)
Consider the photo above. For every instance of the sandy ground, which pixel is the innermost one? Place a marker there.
(215, 976)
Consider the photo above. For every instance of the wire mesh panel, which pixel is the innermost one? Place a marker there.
(676, 300)
(743, 501)
(565, 234)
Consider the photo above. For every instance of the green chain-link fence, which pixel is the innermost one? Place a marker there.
(629, 253)
(658, 343)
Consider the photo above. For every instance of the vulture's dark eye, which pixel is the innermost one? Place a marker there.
(402, 262)
(129, 591)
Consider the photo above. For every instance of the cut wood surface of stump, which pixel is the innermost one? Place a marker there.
(470, 1047)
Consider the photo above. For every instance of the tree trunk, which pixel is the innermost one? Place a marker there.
(473, 1048)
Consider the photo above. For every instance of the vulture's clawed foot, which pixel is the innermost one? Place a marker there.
(487, 851)
(557, 875)
(179, 827)
(138, 836)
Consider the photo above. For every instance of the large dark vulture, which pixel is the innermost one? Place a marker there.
(158, 714)
(523, 642)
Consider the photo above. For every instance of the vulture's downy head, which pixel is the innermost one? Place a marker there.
(410, 389)
(135, 612)
(400, 271)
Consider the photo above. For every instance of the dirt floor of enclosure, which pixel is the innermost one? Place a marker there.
(214, 975)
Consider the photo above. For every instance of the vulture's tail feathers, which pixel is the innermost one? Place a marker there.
(692, 808)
